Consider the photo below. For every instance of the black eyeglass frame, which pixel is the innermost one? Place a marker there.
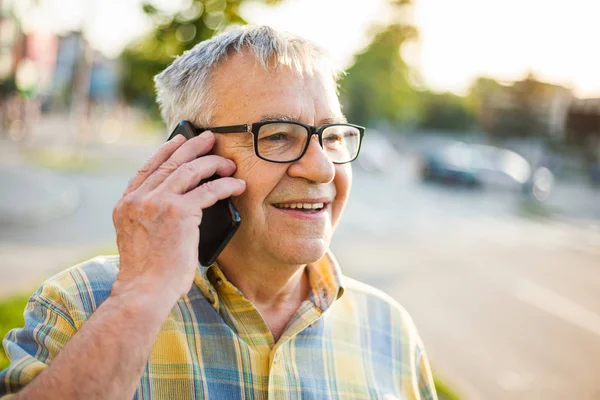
(310, 129)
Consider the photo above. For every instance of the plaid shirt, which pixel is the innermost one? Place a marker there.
(348, 340)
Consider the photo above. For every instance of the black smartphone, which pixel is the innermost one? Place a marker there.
(219, 222)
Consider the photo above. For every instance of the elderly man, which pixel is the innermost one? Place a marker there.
(273, 317)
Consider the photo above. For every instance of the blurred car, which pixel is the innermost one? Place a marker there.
(475, 165)
(595, 173)
(454, 162)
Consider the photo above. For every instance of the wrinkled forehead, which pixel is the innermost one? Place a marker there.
(246, 89)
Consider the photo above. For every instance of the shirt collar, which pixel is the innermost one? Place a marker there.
(325, 278)
(324, 275)
(205, 286)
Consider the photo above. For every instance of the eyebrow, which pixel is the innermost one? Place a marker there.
(335, 120)
(290, 118)
(279, 117)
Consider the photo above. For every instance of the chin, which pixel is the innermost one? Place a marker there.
(304, 252)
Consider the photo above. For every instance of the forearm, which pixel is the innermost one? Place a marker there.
(106, 358)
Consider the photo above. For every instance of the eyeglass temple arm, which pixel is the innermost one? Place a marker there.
(226, 129)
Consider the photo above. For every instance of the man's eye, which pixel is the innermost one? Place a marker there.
(276, 137)
(332, 139)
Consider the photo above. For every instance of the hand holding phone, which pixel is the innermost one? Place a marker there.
(219, 222)
(158, 217)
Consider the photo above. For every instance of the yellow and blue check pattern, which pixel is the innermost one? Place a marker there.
(347, 341)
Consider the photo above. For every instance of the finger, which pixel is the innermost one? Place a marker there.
(189, 175)
(192, 149)
(209, 193)
(156, 160)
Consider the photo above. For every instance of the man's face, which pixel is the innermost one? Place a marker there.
(247, 93)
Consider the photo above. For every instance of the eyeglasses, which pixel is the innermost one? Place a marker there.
(287, 141)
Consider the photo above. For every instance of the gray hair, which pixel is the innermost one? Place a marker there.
(183, 88)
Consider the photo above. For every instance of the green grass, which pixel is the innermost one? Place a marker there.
(11, 316)
(444, 391)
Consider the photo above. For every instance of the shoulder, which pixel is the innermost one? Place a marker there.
(97, 269)
(78, 291)
(376, 306)
(95, 277)
(359, 290)
(390, 326)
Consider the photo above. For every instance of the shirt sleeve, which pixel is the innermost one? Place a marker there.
(30, 349)
(426, 384)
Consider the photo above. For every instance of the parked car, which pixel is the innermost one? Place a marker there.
(454, 163)
(475, 165)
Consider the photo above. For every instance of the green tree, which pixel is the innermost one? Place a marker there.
(377, 86)
(445, 111)
(172, 35)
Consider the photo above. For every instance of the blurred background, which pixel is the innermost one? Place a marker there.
(477, 192)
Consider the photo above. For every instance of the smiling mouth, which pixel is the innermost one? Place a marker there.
(304, 207)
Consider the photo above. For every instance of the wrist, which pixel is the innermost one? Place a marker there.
(142, 295)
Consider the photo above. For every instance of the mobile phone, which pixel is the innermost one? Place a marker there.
(219, 222)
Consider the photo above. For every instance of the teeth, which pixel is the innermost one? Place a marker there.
(306, 206)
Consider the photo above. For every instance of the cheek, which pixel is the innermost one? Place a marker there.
(261, 178)
(254, 195)
(248, 168)
(343, 183)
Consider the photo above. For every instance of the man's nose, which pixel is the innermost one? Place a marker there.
(315, 165)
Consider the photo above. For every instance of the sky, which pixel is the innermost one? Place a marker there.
(459, 39)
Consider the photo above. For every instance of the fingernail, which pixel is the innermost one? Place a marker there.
(206, 134)
(178, 138)
(243, 182)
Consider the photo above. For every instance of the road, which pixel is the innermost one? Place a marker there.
(508, 304)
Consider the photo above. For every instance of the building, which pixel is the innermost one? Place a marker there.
(583, 121)
(82, 74)
(527, 108)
